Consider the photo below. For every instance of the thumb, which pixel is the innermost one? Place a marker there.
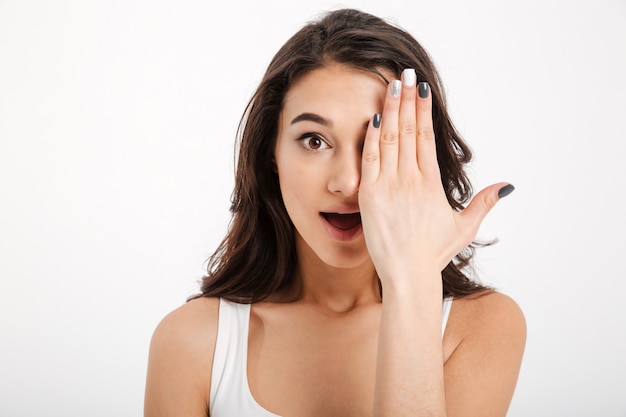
(483, 202)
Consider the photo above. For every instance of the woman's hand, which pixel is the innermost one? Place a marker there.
(409, 227)
(412, 233)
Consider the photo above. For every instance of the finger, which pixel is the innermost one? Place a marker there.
(370, 158)
(426, 147)
(482, 203)
(389, 129)
(407, 122)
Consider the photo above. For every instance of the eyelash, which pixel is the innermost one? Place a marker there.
(307, 137)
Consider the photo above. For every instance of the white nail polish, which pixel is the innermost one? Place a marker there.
(396, 87)
(409, 77)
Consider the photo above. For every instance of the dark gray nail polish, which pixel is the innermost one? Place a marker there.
(506, 190)
(423, 89)
(377, 119)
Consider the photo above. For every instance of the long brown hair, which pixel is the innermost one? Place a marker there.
(257, 257)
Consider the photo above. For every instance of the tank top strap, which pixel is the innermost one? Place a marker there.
(447, 304)
(230, 393)
(229, 352)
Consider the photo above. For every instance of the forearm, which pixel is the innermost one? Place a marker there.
(409, 374)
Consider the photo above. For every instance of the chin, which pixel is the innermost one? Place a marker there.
(332, 253)
(344, 258)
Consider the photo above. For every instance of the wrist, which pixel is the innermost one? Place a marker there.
(419, 284)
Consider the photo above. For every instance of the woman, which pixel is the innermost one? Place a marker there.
(332, 293)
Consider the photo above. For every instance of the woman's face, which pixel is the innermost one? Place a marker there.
(318, 157)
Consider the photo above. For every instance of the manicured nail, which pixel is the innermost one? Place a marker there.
(377, 119)
(423, 89)
(506, 190)
(409, 77)
(396, 87)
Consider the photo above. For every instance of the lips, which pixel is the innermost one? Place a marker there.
(343, 221)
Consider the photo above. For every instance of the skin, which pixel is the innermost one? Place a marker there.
(329, 345)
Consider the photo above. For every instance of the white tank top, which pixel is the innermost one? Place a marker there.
(230, 392)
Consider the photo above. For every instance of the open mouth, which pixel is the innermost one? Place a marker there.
(343, 221)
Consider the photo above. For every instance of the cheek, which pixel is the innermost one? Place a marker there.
(292, 178)
(301, 183)
(301, 175)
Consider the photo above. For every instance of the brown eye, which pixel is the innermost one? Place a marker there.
(313, 142)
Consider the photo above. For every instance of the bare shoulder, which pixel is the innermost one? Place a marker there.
(194, 321)
(483, 348)
(488, 311)
(487, 318)
(180, 360)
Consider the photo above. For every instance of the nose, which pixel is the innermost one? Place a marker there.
(345, 175)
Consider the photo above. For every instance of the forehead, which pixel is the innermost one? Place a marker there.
(324, 89)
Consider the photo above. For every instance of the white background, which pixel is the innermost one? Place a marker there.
(117, 123)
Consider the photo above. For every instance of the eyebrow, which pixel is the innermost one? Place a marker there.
(316, 118)
(312, 117)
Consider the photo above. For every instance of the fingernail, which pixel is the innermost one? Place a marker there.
(506, 190)
(396, 87)
(409, 77)
(377, 119)
(423, 89)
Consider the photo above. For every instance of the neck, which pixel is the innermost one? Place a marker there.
(336, 289)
